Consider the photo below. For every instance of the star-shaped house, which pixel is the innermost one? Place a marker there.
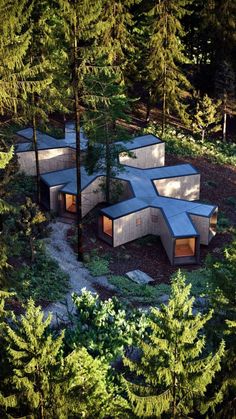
(155, 199)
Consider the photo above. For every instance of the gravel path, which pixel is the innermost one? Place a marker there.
(79, 277)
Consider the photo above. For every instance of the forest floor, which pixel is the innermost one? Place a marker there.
(218, 187)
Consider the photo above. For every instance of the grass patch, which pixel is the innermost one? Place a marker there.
(183, 145)
(146, 294)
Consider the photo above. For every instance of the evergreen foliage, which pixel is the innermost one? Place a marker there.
(206, 117)
(29, 222)
(104, 109)
(165, 56)
(48, 384)
(173, 367)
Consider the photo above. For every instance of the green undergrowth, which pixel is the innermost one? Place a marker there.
(41, 280)
(97, 266)
(187, 145)
(143, 294)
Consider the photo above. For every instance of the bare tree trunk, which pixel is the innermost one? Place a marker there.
(203, 135)
(78, 151)
(148, 107)
(35, 145)
(164, 92)
(224, 126)
(108, 166)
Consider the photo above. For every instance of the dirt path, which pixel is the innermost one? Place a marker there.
(79, 276)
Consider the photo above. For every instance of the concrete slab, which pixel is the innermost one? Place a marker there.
(139, 277)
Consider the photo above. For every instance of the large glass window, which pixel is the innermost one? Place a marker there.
(213, 222)
(185, 247)
(70, 203)
(107, 226)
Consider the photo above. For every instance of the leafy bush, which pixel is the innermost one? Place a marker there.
(186, 145)
(223, 223)
(104, 327)
(42, 280)
(146, 294)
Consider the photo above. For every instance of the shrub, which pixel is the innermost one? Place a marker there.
(186, 145)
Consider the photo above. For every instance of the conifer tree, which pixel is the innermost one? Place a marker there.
(206, 116)
(33, 355)
(5, 158)
(116, 38)
(225, 90)
(14, 43)
(48, 384)
(81, 29)
(174, 371)
(103, 111)
(168, 82)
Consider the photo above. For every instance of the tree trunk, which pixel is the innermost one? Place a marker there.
(163, 114)
(36, 155)
(108, 167)
(148, 107)
(78, 151)
(164, 91)
(32, 249)
(224, 126)
(203, 135)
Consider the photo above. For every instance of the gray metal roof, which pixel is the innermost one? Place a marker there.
(176, 211)
(45, 141)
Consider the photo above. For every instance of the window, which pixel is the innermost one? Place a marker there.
(185, 247)
(70, 203)
(138, 221)
(154, 218)
(213, 222)
(107, 226)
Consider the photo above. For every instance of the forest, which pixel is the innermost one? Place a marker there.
(118, 69)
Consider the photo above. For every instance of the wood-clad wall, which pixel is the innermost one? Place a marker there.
(146, 157)
(183, 187)
(141, 223)
(202, 225)
(49, 160)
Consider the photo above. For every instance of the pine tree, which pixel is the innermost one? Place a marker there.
(14, 42)
(206, 117)
(38, 101)
(225, 90)
(48, 384)
(6, 401)
(103, 111)
(33, 355)
(166, 56)
(175, 374)
(116, 38)
(81, 29)
(29, 222)
(5, 158)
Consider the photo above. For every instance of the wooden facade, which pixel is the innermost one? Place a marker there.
(145, 157)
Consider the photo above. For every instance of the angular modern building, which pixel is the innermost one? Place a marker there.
(155, 199)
